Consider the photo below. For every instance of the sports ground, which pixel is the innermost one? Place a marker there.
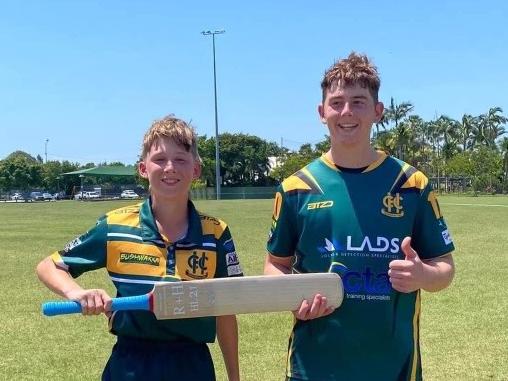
(464, 330)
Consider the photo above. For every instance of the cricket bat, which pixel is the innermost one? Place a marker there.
(223, 296)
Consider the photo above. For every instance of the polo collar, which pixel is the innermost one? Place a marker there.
(149, 230)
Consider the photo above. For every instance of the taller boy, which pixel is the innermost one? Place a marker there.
(373, 219)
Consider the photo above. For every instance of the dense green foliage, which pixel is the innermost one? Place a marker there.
(474, 149)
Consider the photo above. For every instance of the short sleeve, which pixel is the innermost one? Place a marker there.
(282, 239)
(228, 261)
(431, 237)
(84, 253)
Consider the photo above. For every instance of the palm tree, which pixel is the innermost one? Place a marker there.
(490, 127)
(406, 136)
(385, 141)
(503, 145)
(397, 112)
(468, 124)
(382, 123)
(449, 129)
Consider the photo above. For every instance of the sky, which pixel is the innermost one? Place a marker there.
(82, 80)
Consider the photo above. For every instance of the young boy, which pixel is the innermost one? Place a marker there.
(373, 219)
(161, 239)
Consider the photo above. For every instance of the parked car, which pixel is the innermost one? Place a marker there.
(17, 196)
(47, 196)
(92, 195)
(87, 195)
(129, 193)
(37, 196)
(59, 196)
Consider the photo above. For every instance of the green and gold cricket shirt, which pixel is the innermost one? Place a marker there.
(127, 243)
(353, 223)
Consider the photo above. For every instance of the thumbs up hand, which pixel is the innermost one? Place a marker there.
(407, 275)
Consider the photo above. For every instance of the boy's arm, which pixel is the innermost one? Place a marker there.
(93, 301)
(282, 265)
(277, 265)
(227, 335)
(439, 273)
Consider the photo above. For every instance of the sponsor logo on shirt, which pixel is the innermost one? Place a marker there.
(446, 237)
(392, 205)
(374, 245)
(234, 270)
(232, 258)
(363, 283)
(211, 219)
(71, 245)
(331, 246)
(319, 205)
(381, 247)
(142, 259)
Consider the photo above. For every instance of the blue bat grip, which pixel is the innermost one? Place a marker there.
(61, 308)
(140, 302)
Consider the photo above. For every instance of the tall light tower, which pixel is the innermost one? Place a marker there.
(217, 159)
(46, 149)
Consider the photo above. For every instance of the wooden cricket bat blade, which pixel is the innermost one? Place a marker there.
(249, 294)
(222, 296)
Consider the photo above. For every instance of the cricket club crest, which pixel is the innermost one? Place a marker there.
(197, 265)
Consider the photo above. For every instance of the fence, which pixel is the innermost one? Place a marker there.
(234, 193)
(451, 184)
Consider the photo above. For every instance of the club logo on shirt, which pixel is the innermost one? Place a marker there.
(392, 205)
(197, 265)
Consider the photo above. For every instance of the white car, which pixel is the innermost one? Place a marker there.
(17, 196)
(87, 196)
(91, 195)
(128, 193)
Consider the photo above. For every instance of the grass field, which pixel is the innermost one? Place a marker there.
(464, 329)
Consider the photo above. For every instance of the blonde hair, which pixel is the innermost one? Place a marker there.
(350, 71)
(177, 130)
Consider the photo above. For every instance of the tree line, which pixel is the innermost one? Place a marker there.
(474, 148)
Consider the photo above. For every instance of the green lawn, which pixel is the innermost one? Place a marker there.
(464, 329)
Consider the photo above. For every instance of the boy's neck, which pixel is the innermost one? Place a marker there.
(171, 218)
(352, 157)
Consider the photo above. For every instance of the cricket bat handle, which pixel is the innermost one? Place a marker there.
(139, 302)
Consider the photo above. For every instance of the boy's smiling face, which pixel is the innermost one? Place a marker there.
(349, 112)
(170, 169)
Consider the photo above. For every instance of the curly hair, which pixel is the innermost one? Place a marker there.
(355, 69)
(177, 130)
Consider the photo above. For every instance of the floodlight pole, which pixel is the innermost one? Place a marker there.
(81, 178)
(46, 149)
(217, 158)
